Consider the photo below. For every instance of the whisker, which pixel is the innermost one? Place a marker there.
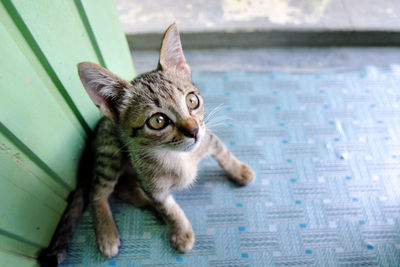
(125, 145)
(219, 119)
(214, 111)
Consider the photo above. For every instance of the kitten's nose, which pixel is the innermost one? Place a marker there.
(192, 133)
(189, 128)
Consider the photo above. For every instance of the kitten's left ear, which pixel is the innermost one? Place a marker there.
(171, 53)
(104, 88)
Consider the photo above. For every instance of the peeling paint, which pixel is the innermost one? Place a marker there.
(276, 11)
(15, 156)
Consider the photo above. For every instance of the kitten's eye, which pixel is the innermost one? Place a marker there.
(192, 101)
(158, 121)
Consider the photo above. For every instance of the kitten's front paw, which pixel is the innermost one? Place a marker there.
(109, 243)
(245, 176)
(183, 240)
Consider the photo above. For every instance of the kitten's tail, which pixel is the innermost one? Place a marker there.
(78, 200)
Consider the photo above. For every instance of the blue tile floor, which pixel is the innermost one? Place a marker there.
(326, 150)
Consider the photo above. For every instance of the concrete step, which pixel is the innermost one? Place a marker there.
(257, 23)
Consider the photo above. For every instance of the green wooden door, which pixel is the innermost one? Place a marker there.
(45, 113)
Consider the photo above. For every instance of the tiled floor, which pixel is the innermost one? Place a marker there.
(326, 150)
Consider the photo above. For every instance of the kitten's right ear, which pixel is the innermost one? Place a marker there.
(104, 88)
(171, 53)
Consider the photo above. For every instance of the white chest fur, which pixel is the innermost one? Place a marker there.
(182, 167)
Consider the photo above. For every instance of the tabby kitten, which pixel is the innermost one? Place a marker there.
(150, 142)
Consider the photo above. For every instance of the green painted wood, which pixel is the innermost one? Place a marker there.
(45, 113)
(23, 215)
(10, 243)
(16, 175)
(30, 164)
(115, 53)
(58, 31)
(33, 115)
(8, 259)
(29, 53)
(28, 37)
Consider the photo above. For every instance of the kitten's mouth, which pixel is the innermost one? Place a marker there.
(185, 144)
(193, 145)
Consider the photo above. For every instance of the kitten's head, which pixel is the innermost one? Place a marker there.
(160, 109)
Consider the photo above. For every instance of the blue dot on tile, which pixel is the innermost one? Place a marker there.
(225, 78)
(227, 94)
(293, 180)
(289, 160)
(117, 211)
(298, 202)
(361, 222)
(228, 109)
(372, 106)
(348, 177)
(232, 143)
(302, 225)
(386, 138)
(355, 199)
(242, 229)
(370, 247)
(111, 263)
(274, 92)
(277, 108)
(308, 251)
(285, 141)
(239, 205)
(179, 259)
(281, 124)
(331, 123)
(245, 255)
(380, 122)
(336, 139)
(326, 106)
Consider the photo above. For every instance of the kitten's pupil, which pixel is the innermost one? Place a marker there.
(160, 120)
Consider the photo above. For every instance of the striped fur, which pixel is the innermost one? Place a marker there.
(140, 164)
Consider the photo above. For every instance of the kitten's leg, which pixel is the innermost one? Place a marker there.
(237, 171)
(181, 231)
(107, 168)
(106, 171)
(106, 231)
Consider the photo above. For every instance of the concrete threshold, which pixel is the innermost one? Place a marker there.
(274, 38)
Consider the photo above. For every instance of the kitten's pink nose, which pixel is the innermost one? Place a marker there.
(192, 133)
(189, 128)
